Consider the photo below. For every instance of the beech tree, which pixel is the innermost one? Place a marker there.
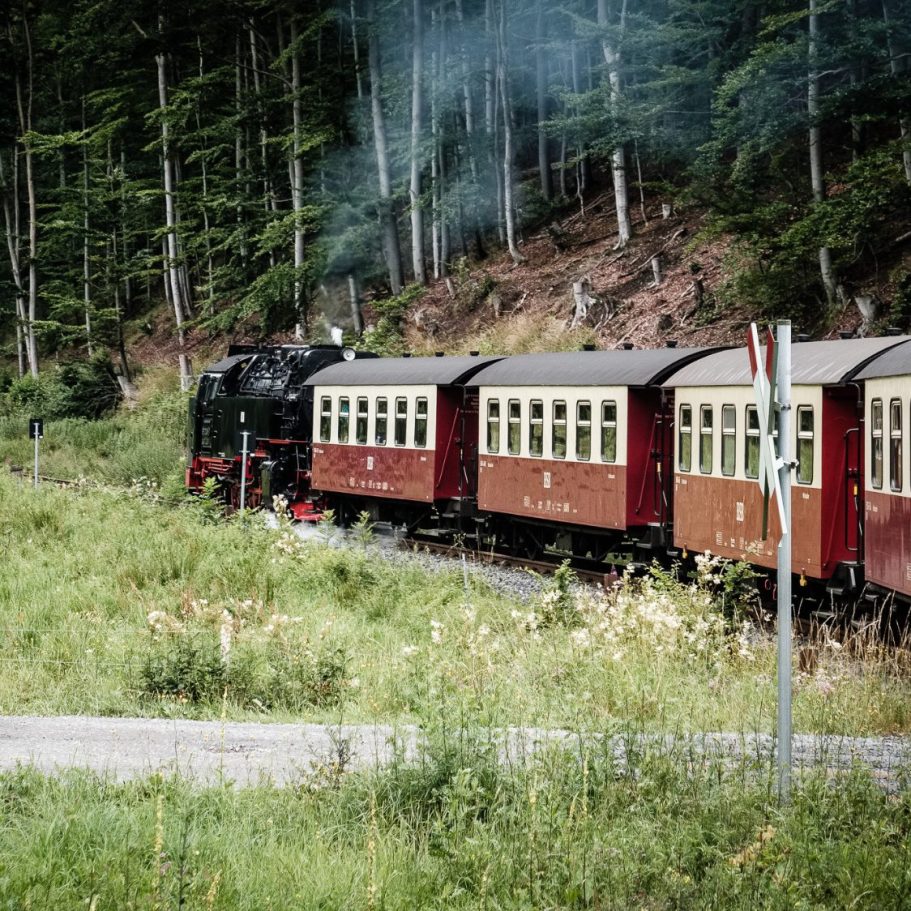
(258, 166)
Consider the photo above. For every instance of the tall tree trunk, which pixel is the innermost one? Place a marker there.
(584, 168)
(508, 151)
(268, 195)
(354, 300)
(170, 238)
(618, 156)
(239, 151)
(11, 224)
(816, 169)
(547, 189)
(113, 266)
(356, 52)
(297, 188)
(389, 228)
(86, 247)
(435, 189)
(898, 66)
(127, 281)
(492, 113)
(25, 126)
(204, 203)
(417, 112)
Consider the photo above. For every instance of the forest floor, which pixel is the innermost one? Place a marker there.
(495, 305)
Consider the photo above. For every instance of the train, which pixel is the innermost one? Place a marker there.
(632, 454)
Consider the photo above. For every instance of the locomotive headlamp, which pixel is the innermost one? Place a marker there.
(348, 354)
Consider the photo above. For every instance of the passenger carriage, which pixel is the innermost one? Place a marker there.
(887, 473)
(397, 437)
(717, 499)
(575, 444)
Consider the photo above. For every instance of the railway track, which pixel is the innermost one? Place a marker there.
(586, 571)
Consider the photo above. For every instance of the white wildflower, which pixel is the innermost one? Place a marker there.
(225, 635)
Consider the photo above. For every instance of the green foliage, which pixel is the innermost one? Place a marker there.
(900, 312)
(75, 389)
(557, 604)
(386, 337)
(565, 829)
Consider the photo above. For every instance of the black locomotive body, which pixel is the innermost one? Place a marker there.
(256, 400)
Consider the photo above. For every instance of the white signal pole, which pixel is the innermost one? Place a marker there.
(784, 563)
(243, 472)
(37, 427)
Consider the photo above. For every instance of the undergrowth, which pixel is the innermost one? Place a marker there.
(458, 830)
(114, 601)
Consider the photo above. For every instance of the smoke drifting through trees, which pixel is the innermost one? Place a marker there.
(232, 157)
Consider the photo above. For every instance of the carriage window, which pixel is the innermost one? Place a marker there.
(401, 421)
(536, 429)
(608, 431)
(728, 439)
(379, 434)
(706, 438)
(876, 443)
(751, 450)
(325, 419)
(804, 445)
(584, 431)
(515, 426)
(344, 409)
(895, 444)
(493, 425)
(420, 423)
(360, 425)
(558, 447)
(685, 439)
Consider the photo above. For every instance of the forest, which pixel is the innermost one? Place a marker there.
(261, 164)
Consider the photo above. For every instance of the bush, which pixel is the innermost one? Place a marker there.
(77, 389)
(386, 337)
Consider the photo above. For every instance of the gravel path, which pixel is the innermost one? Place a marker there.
(247, 753)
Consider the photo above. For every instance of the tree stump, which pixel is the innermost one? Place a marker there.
(581, 302)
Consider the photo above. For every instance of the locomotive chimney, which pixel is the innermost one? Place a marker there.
(893, 330)
(671, 343)
(438, 353)
(628, 346)
(474, 353)
(407, 354)
(846, 333)
(588, 346)
(802, 337)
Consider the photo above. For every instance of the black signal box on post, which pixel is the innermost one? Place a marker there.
(36, 429)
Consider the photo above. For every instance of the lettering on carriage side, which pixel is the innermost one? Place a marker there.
(352, 482)
(740, 511)
(526, 502)
(719, 539)
(547, 480)
(369, 463)
(804, 495)
(908, 572)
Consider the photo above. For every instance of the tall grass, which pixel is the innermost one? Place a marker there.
(147, 442)
(112, 601)
(459, 831)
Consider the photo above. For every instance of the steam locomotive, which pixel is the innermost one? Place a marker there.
(259, 391)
